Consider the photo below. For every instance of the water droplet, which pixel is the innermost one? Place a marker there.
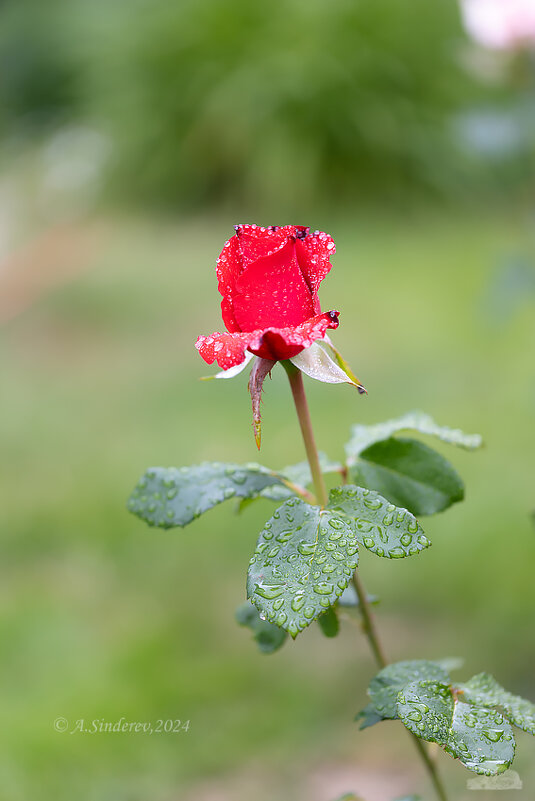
(278, 603)
(395, 553)
(494, 735)
(415, 715)
(298, 602)
(336, 523)
(269, 591)
(309, 611)
(306, 548)
(281, 619)
(406, 539)
(323, 588)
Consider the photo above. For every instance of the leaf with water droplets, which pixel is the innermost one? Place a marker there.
(304, 559)
(386, 685)
(268, 637)
(409, 474)
(480, 738)
(484, 690)
(381, 527)
(170, 496)
(363, 436)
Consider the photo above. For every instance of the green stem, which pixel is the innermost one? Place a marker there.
(368, 622)
(300, 399)
(298, 391)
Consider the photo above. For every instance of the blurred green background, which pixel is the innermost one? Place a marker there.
(133, 136)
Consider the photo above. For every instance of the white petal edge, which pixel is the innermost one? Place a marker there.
(232, 372)
(316, 363)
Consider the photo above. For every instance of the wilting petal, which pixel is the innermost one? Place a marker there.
(316, 363)
(227, 349)
(232, 372)
(261, 368)
(272, 292)
(283, 343)
(341, 362)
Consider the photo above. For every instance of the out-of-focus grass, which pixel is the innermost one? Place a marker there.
(103, 617)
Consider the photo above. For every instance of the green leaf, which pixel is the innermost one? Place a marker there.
(303, 561)
(386, 685)
(409, 474)
(362, 436)
(484, 690)
(269, 637)
(380, 526)
(169, 496)
(329, 623)
(480, 738)
(369, 715)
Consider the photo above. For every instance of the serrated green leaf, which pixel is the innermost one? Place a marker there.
(362, 436)
(409, 474)
(381, 527)
(369, 716)
(170, 496)
(386, 685)
(484, 690)
(268, 637)
(329, 623)
(303, 561)
(480, 738)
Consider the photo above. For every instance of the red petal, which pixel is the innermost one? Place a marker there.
(313, 253)
(273, 293)
(257, 242)
(228, 268)
(284, 343)
(227, 349)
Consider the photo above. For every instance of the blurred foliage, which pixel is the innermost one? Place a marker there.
(211, 102)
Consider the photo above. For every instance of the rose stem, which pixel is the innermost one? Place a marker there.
(368, 623)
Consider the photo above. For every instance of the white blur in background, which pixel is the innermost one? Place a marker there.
(500, 24)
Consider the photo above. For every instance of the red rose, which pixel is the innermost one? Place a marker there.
(269, 279)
